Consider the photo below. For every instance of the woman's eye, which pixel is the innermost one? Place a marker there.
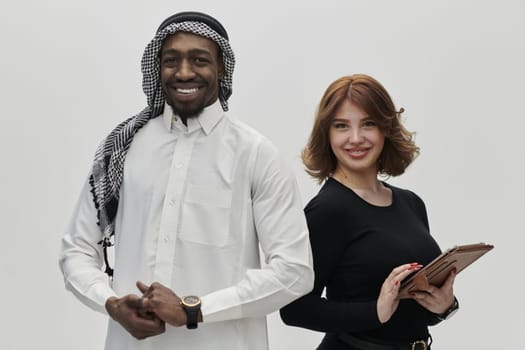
(339, 125)
(369, 124)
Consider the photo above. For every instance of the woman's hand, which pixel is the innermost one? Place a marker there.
(437, 300)
(389, 296)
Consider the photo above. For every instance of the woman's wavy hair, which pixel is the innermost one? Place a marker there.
(368, 94)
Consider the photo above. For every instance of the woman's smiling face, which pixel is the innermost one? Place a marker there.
(356, 140)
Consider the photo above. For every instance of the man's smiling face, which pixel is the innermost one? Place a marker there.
(190, 70)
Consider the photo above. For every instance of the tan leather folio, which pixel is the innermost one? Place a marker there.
(437, 271)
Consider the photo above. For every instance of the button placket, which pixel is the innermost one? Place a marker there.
(171, 210)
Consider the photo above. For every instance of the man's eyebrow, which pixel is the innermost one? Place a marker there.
(191, 52)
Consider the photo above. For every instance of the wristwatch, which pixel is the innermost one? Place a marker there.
(191, 305)
(450, 312)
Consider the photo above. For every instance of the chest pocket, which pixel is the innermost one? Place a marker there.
(206, 215)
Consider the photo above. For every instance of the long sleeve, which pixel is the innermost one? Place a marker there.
(80, 258)
(313, 311)
(282, 233)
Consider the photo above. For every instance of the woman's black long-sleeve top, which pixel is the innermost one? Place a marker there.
(355, 246)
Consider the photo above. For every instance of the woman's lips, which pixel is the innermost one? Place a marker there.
(357, 153)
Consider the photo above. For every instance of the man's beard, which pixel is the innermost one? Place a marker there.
(187, 113)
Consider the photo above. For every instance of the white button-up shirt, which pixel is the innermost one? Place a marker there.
(197, 206)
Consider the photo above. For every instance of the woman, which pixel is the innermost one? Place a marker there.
(366, 235)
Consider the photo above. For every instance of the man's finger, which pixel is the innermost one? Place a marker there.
(134, 301)
(142, 286)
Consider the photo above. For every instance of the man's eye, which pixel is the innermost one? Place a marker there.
(169, 60)
(200, 60)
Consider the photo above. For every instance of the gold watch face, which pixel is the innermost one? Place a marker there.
(191, 300)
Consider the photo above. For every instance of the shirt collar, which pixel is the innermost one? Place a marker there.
(207, 120)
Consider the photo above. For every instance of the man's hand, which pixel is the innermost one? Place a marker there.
(163, 302)
(128, 311)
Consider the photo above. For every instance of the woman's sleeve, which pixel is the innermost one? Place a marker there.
(329, 238)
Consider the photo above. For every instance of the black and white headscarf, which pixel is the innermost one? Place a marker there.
(107, 171)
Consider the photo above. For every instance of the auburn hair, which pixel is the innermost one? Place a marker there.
(367, 93)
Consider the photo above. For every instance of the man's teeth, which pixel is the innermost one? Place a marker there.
(187, 91)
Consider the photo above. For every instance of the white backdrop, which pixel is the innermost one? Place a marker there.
(71, 70)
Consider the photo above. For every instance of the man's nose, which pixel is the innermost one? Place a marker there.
(185, 71)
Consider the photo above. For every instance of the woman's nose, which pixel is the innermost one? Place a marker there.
(355, 136)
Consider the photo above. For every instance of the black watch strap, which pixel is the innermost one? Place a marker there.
(193, 317)
(192, 306)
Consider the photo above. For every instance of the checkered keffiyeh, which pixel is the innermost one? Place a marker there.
(107, 171)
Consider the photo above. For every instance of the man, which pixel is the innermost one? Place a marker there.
(187, 195)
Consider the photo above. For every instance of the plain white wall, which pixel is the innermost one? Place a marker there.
(70, 70)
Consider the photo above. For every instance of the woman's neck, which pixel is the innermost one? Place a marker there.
(367, 182)
(368, 187)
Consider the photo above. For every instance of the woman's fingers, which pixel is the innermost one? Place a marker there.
(401, 272)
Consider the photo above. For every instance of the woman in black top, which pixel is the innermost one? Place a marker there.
(366, 235)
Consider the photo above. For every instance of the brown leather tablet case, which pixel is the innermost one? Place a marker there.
(437, 271)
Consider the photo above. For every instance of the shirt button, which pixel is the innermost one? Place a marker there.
(178, 165)
(166, 239)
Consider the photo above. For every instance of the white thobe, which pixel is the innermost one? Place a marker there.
(197, 206)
